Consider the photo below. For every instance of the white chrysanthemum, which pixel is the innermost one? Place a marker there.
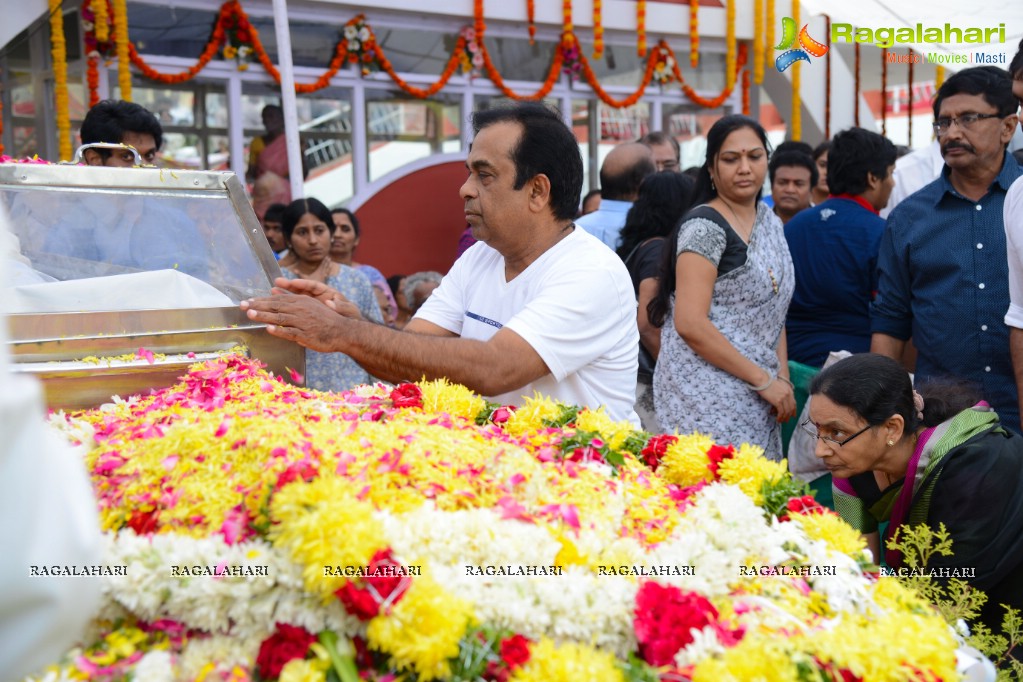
(225, 652)
(155, 666)
(351, 32)
(704, 645)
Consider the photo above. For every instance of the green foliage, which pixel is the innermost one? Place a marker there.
(568, 415)
(955, 600)
(778, 493)
(637, 670)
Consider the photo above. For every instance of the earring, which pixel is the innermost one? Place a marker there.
(891, 443)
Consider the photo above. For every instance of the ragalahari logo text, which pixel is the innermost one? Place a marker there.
(807, 45)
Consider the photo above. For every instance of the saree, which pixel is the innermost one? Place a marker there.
(271, 185)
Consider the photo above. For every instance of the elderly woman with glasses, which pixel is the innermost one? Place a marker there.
(935, 457)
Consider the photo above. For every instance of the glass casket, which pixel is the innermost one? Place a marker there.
(118, 279)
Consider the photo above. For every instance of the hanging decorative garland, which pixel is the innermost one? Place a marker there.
(694, 33)
(598, 31)
(769, 20)
(856, 85)
(730, 43)
(123, 51)
(745, 93)
(797, 100)
(758, 41)
(827, 80)
(531, 18)
(58, 51)
(96, 31)
(641, 28)
(101, 19)
(1, 123)
(370, 55)
(884, 91)
(909, 103)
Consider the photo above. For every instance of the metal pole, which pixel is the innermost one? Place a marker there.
(286, 69)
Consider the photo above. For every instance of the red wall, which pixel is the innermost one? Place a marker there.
(414, 223)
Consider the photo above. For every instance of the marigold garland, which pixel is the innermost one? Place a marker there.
(598, 30)
(856, 85)
(1, 126)
(720, 99)
(796, 124)
(884, 91)
(730, 43)
(694, 33)
(123, 51)
(531, 18)
(101, 19)
(745, 92)
(909, 103)
(758, 41)
(58, 50)
(827, 79)
(641, 28)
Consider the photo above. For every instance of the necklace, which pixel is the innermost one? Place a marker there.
(319, 273)
(746, 234)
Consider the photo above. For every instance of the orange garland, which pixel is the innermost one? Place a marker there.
(641, 28)
(92, 78)
(531, 16)
(101, 21)
(745, 93)
(694, 33)
(341, 53)
(123, 48)
(598, 31)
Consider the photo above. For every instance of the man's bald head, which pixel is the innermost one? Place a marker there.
(624, 169)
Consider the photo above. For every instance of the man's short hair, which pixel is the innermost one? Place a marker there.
(110, 119)
(795, 158)
(661, 137)
(855, 153)
(793, 146)
(624, 186)
(408, 287)
(546, 146)
(992, 83)
(274, 213)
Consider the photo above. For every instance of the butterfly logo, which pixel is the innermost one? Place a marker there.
(807, 45)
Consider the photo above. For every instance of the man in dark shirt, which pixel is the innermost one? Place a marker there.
(834, 250)
(943, 273)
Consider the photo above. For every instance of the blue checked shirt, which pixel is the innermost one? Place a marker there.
(944, 281)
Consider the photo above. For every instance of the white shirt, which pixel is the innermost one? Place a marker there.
(1012, 213)
(912, 172)
(574, 305)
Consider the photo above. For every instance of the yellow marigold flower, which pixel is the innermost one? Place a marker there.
(685, 462)
(423, 630)
(756, 657)
(301, 670)
(614, 433)
(453, 399)
(840, 536)
(321, 523)
(230, 52)
(531, 414)
(570, 661)
(749, 470)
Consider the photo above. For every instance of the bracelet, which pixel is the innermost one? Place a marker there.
(786, 380)
(770, 380)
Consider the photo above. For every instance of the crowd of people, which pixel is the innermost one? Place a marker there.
(679, 301)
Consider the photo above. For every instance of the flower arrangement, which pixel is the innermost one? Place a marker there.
(98, 38)
(571, 63)
(472, 55)
(663, 66)
(361, 44)
(419, 532)
(239, 38)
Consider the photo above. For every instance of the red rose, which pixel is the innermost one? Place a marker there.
(665, 616)
(495, 672)
(287, 644)
(243, 36)
(804, 505)
(502, 414)
(407, 395)
(656, 448)
(299, 470)
(515, 651)
(144, 523)
(364, 602)
(718, 454)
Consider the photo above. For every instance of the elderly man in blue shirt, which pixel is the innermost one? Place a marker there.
(943, 275)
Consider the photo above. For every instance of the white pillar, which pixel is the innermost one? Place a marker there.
(236, 127)
(287, 72)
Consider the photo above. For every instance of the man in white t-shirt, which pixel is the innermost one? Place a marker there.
(536, 305)
(1012, 213)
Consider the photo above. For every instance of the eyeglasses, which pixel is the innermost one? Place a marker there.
(814, 431)
(966, 122)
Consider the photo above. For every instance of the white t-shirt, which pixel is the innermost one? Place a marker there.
(574, 305)
(1012, 213)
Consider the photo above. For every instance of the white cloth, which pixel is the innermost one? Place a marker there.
(47, 518)
(1012, 213)
(574, 305)
(912, 172)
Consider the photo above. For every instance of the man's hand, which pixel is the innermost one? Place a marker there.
(321, 292)
(302, 319)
